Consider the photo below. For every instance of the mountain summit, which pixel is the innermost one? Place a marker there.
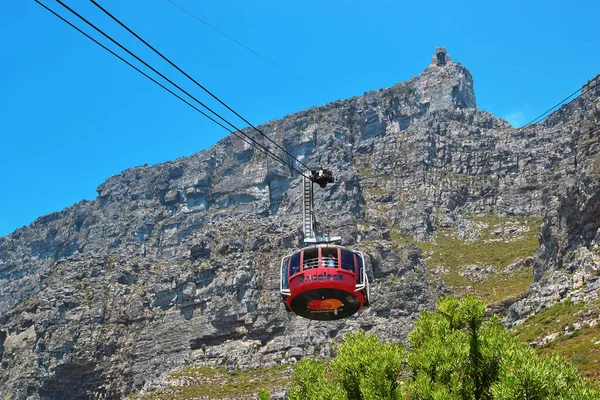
(178, 263)
(445, 85)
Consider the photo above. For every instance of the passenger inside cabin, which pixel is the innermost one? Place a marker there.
(330, 262)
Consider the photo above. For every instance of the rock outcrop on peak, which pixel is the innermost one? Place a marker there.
(446, 87)
(178, 263)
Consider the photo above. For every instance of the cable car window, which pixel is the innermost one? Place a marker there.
(360, 262)
(295, 264)
(286, 273)
(347, 260)
(329, 255)
(311, 258)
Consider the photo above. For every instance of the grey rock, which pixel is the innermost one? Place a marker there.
(177, 263)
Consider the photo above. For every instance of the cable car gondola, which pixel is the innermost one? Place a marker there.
(324, 280)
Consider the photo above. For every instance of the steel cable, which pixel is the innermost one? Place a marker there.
(195, 82)
(173, 83)
(253, 144)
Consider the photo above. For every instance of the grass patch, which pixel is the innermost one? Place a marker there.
(488, 249)
(548, 321)
(376, 191)
(451, 254)
(193, 382)
(399, 238)
(364, 171)
(581, 347)
(495, 287)
(452, 176)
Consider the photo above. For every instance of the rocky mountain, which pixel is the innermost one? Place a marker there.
(178, 263)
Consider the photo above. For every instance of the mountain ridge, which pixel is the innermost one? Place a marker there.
(177, 263)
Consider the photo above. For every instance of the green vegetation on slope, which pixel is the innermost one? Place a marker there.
(548, 321)
(581, 348)
(194, 382)
(478, 266)
(450, 255)
(569, 330)
(456, 355)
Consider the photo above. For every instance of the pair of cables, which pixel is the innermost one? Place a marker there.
(230, 127)
(540, 117)
(216, 117)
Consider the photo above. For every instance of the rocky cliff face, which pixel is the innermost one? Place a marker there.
(567, 263)
(178, 263)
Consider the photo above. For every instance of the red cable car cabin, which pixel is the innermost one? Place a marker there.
(324, 282)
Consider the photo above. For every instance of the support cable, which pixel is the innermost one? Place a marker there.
(196, 82)
(251, 143)
(167, 79)
(537, 119)
(251, 50)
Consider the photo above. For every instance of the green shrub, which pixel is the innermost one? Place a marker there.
(312, 381)
(264, 394)
(456, 355)
(368, 369)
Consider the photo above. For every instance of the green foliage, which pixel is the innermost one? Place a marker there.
(526, 376)
(364, 369)
(313, 381)
(580, 347)
(456, 355)
(264, 394)
(368, 369)
(454, 253)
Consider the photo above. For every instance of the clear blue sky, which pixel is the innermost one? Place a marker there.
(71, 115)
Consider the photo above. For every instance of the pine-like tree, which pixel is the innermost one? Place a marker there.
(455, 355)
